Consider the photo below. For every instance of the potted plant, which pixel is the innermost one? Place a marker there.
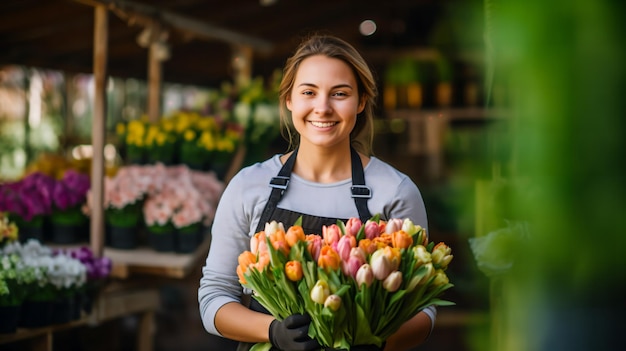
(14, 279)
(124, 194)
(158, 212)
(8, 230)
(28, 203)
(98, 270)
(68, 197)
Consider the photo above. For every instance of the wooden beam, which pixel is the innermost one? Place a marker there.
(143, 14)
(154, 75)
(100, 40)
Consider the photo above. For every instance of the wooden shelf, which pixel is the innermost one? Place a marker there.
(145, 260)
(110, 304)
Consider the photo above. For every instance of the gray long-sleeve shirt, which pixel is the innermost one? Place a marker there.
(394, 195)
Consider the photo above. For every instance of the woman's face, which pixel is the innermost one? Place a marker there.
(324, 101)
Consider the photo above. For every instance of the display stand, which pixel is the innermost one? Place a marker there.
(144, 260)
(110, 304)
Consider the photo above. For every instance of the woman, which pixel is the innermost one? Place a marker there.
(327, 95)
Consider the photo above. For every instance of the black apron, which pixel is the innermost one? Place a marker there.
(310, 224)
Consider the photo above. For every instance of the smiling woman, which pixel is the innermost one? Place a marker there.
(326, 98)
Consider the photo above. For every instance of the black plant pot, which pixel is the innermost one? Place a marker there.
(124, 238)
(9, 317)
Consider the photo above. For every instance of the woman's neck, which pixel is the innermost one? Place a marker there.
(323, 165)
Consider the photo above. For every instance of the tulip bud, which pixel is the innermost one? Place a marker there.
(353, 225)
(381, 265)
(364, 275)
(320, 292)
(440, 278)
(355, 260)
(329, 259)
(421, 255)
(345, 244)
(410, 228)
(293, 270)
(294, 234)
(331, 234)
(368, 246)
(441, 255)
(393, 225)
(393, 281)
(314, 245)
(372, 230)
(333, 302)
(272, 227)
(401, 239)
(257, 240)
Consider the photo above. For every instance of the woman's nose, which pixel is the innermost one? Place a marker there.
(322, 105)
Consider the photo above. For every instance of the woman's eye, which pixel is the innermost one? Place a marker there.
(340, 93)
(308, 92)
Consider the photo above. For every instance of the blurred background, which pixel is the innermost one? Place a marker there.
(507, 114)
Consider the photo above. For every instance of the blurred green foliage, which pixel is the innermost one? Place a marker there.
(564, 63)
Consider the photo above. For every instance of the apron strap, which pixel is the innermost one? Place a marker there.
(279, 185)
(360, 192)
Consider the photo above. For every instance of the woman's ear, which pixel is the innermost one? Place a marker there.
(288, 103)
(361, 106)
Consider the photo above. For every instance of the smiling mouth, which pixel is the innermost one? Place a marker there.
(323, 124)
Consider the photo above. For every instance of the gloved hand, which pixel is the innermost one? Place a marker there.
(292, 334)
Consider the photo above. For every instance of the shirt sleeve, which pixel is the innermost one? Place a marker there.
(219, 283)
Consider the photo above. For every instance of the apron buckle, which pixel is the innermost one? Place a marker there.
(361, 191)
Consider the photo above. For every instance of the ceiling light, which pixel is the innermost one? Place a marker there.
(367, 27)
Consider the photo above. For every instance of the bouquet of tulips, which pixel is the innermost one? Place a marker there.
(359, 282)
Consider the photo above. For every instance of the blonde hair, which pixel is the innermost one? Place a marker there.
(362, 135)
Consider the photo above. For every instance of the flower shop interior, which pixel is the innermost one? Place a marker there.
(121, 122)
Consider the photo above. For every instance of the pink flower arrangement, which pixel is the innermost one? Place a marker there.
(185, 198)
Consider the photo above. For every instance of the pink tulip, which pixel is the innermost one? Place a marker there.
(314, 245)
(364, 275)
(355, 260)
(331, 235)
(345, 244)
(353, 225)
(381, 265)
(393, 225)
(372, 230)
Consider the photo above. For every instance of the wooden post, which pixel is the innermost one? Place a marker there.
(98, 128)
(242, 65)
(154, 75)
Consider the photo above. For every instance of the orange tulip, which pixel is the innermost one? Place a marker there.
(368, 246)
(329, 258)
(279, 241)
(393, 254)
(331, 234)
(293, 270)
(314, 245)
(242, 278)
(401, 239)
(257, 242)
(294, 234)
(263, 260)
(246, 259)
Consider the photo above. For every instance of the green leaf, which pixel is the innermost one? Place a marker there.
(265, 346)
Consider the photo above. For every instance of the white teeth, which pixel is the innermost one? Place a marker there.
(323, 124)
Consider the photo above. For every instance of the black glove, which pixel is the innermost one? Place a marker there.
(292, 334)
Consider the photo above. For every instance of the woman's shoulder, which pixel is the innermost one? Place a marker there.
(259, 171)
(379, 169)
